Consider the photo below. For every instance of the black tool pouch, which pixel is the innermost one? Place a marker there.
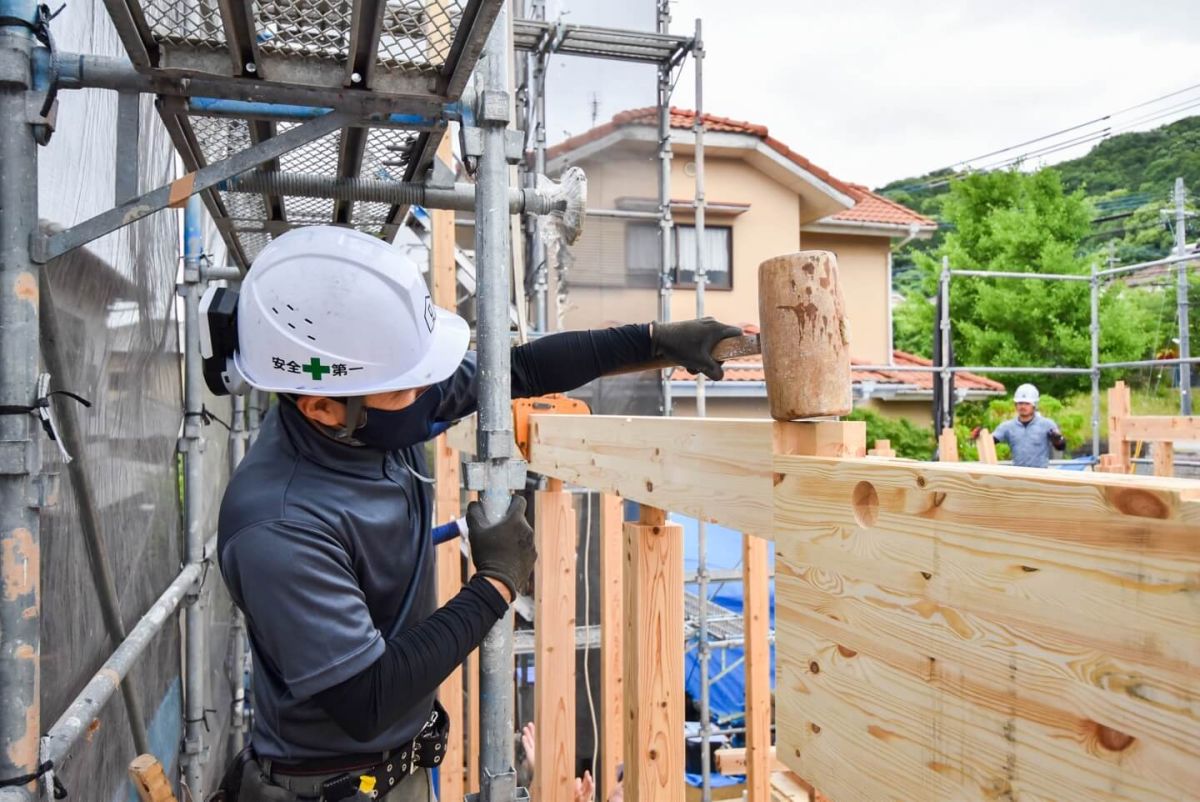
(430, 744)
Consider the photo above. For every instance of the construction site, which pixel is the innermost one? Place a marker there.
(738, 594)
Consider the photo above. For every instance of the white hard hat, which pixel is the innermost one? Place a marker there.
(333, 311)
(1026, 394)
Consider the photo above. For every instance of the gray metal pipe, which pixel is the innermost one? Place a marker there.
(20, 443)
(623, 214)
(1094, 331)
(498, 778)
(703, 651)
(1181, 301)
(665, 224)
(196, 637)
(1011, 274)
(237, 452)
(1170, 260)
(1151, 363)
(461, 197)
(71, 726)
(1032, 370)
(944, 330)
(89, 518)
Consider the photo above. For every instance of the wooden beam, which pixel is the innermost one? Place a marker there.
(758, 765)
(826, 438)
(986, 444)
(986, 632)
(554, 643)
(736, 760)
(447, 504)
(1118, 413)
(948, 446)
(654, 748)
(1162, 428)
(149, 780)
(787, 787)
(1164, 459)
(882, 448)
(612, 633)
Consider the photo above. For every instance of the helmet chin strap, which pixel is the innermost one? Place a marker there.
(355, 408)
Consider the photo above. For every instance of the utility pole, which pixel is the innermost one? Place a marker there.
(1181, 299)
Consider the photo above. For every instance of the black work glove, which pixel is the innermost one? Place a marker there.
(503, 550)
(690, 343)
(1057, 440)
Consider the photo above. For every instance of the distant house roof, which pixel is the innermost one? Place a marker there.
(864, 209)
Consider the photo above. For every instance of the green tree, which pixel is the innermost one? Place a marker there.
(1026, 223)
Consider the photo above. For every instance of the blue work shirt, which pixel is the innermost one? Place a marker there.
(326, 548)
(1030, 442)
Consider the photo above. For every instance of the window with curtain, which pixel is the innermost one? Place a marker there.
(641, 254)
(718, 256)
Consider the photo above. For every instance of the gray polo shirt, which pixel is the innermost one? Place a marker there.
(327, 550)
(1030, 442)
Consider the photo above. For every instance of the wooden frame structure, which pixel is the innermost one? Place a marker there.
(955, 631)
(1125, 428)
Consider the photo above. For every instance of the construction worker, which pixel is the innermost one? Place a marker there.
(324, 531)
(1030, 436)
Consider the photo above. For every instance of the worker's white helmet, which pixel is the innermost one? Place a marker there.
(1026, 394)
(333, 311)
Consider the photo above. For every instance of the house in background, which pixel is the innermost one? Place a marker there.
(763, 200)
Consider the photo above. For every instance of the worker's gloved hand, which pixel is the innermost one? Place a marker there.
(1057, 440)
(689, 343)
(504, 550)
(975, 432)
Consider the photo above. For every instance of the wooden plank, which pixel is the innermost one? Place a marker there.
(713, 469)
(1164, 459)
(149, 780)
(757, 625)
(882, 448)
(1118, 413)
(986, 444)
(736, 760)
(1162, 428)
(612, 633)
(947, 446)
(447, 497)
(978, 632)
(654, 748)
(825, 438)
(554, 643)
(787, 787)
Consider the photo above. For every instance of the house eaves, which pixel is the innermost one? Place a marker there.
(864, 228)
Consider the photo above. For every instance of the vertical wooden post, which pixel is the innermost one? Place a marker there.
(612, 632)
(1119, 407)
(757, 624)
(654, 748)
(948, 446)
(447, 501)
(832, 439)
(554, 643)
(1164, 459)
(987, 447)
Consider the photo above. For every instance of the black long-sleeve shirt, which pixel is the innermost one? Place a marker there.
(417, 659)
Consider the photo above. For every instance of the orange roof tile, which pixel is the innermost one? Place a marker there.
(868, 208)
(749, 369)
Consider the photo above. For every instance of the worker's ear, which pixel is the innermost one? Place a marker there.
(322, 410)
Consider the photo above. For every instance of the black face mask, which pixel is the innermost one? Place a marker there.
(391, 430)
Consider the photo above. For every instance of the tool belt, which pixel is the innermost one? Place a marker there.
(246, 780)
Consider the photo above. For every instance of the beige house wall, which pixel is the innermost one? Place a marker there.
(769, 227)
(919, 412)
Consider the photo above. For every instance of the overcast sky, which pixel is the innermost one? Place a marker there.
(875, 90)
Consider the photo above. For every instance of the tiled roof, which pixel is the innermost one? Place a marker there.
(872, 208)
(750, 369)
(869, 207)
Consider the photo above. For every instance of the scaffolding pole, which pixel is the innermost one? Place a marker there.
(20, 449)
(195, 750)
(1094, 332)
(1181, 300)
(944, 332)
(701, 275)
(664, 194)
(238, 440)
(493, 475)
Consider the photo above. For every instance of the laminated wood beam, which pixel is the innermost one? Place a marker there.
(986, 444)
(612, 638)
(1118, 414)
(1164, 459)
(654, 748)
(882, 448)
(947, 446)
(1161, 428)
(759, 756)
(736, 760)
(554, 644)
(979, 632)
